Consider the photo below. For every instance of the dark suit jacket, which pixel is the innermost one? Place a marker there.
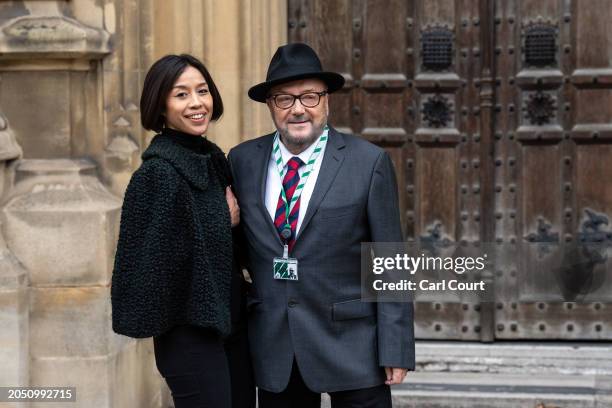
(339, 342)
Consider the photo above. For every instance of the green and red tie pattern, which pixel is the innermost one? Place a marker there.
(290, 183)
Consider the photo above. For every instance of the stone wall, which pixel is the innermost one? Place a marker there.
(71, 74)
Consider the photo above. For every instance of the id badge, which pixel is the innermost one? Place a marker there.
(285, 268)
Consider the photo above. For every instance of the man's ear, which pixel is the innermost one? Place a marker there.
(270, 104)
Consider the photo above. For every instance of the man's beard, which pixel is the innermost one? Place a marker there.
(303, 142)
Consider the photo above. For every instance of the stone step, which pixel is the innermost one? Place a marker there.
(535, 358)
(481, 390)
(476, 390)
(507, 375)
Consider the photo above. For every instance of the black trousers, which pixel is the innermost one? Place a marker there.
(202, 371)
(298, 395)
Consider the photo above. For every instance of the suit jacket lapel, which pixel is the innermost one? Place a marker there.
(265, 149)
(332, 161)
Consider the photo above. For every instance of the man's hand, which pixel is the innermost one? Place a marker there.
(395, 375)
(234, 209)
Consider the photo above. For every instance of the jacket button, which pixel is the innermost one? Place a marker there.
(292, 303)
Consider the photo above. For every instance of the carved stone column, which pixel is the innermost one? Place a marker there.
(14, 349)
(70, 74)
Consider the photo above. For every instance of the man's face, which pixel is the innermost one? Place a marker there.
(299, 126)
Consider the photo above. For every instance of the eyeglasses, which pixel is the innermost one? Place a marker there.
(308, 99)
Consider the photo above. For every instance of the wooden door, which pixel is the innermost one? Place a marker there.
(497, 116)
(553, 165)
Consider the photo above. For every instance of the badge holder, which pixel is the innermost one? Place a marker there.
(285, 268)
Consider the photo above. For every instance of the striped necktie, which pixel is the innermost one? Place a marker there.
(290, 182)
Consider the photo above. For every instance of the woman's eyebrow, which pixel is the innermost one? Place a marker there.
(186, 87)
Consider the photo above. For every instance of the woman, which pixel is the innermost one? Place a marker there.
(175, 278)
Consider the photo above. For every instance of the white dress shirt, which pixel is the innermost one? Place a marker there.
(274, 182)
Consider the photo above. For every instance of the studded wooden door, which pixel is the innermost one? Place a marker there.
(497, 116)
(553, 166)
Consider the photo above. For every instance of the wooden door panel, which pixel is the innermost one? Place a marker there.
(591, 33)
(385, 39)
(539, 196)
(341, 111)
(333, 17)
(534, 9)
(446, 138)
(436, 187)
(592, 107)
(527, 151)
(382, 80)
(437, 11)
(593, 178)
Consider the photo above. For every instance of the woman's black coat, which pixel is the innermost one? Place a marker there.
(174, 256)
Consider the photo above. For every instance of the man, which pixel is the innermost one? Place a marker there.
(309, 195)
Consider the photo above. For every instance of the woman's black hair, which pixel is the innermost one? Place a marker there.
(159, 82)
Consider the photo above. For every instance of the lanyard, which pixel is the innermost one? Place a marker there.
(304, 178)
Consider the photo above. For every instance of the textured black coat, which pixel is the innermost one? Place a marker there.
(174, 256)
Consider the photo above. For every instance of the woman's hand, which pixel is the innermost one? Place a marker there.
(232, 203)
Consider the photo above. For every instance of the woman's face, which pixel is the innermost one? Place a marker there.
(189, 104)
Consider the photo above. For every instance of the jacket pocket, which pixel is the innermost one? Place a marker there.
(352, 309)
(337, 212)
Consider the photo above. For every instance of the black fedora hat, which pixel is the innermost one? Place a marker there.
(291, 62)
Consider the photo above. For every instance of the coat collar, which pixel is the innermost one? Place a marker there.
(332, 161)
(264, 146)
(192, 166)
